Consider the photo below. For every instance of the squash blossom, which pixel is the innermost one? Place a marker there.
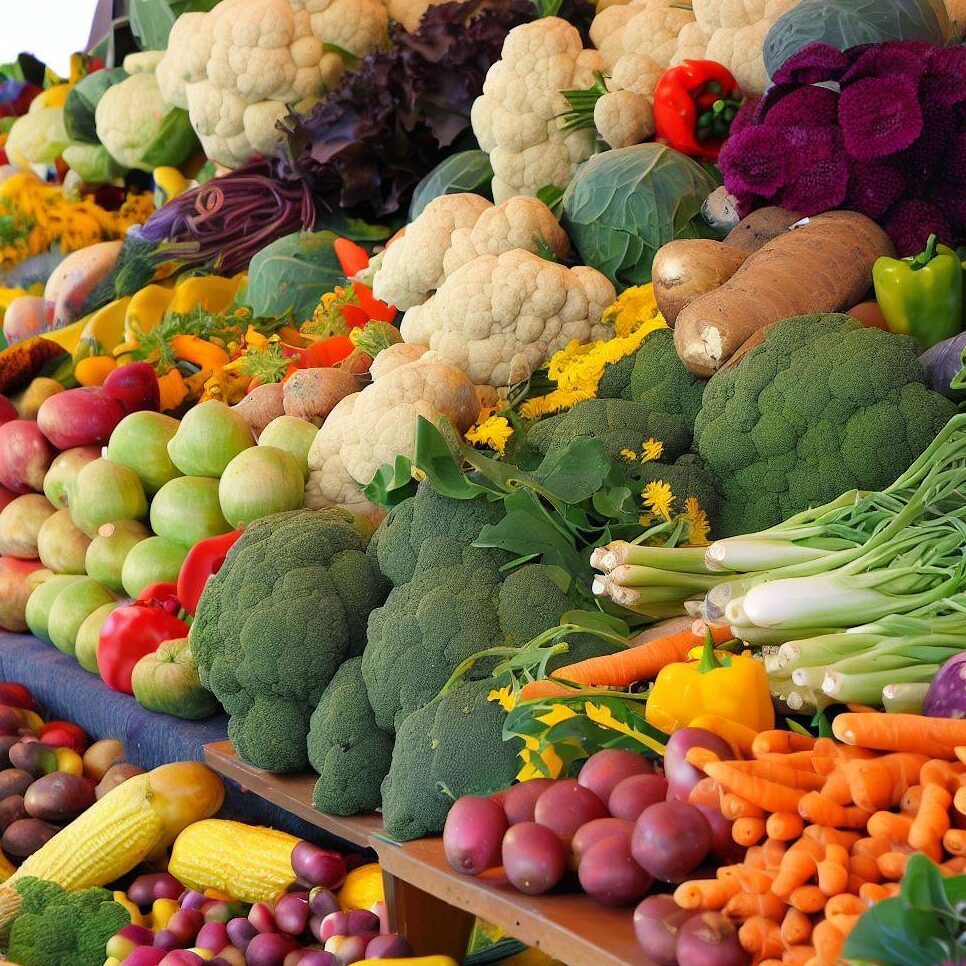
(731, 686)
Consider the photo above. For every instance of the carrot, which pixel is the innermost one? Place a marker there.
(961, 753)
(700, 757)
(836, 787)
(744, 906)
(818, 810)
(756, 882)
(864, 867)
(640, 663)
(959, 801)
(823, 835)
(538, 690)
(939, 772)
(874, 846)
(882, 782)
(833, 871)
(953, 866)
(828, 940)
(803, 760)
(786, 826)
(895, 827)
(781, 742)
(754, 859)
(739, 736)
(761, 936)
(780, 774)
(933, 737)
(954, 841)
(873, 892)
(773, 851)
(706, 893)
(796, 927)
(845, 905)
(759, 791)
(798, 955)
(892, 865)
(932, 821)
(826, 747)
(808, 899)
(748, 831)
(844, 922)
(706, 793)
(797, 868)
(734, 806)
(909, 803)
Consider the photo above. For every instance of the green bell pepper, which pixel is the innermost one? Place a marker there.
(921, 296)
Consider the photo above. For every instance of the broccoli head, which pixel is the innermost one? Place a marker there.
(60, 928)
(451, 747)
(822, 406)
(688, 476)
(347, 749)
(274, 624)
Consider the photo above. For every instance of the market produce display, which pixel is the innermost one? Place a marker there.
(533, 424)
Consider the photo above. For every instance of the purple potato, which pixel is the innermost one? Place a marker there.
(682, 777)
(631, 796)
(473, 833)
(670, 839)
(322, 901)
(597, 831)
(292, 914)
(657, 922)
(158, 885)
(270, 949)
(318, 867)
(567, 805)
(241, 932)
(534, 858)
(388, 946)
(609, 874)
(262, 917)
(213, 936)
(710, 939)
(520, 800)
(603, 771)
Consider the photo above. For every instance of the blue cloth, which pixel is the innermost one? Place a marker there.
(66, 691)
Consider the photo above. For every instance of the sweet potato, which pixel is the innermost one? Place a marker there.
(760, 227)
(311, 394)
(823, 266)
(261, 406)
(686, 269)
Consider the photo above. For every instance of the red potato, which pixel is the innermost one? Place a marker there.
(25, 456)
(520, 800)
(609, 874)
(670, 840)
(567, 805)
(14, 781)
(25, 836)
(473, 834)
(73, 280)
(135, 387)
(8, 411)
(18, 578)
(7, 744)
(599, 830)
(80, 417)
(657, 923)
(26, 317)
(603, 771)
(534, 858)
(682, 777)
(11, 810)
(631, 796)
(58, 797)
(710, 939)
(725, 848)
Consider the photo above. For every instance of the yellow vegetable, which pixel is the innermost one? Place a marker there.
(169, 183)
(69, 761)
(213, 293)
(7, 868)
(173, 390)
(104, 330)
(145, 310)
(161, 912)
(251, 863)
(55, 96)
(68, 337)
(362, 888)
(204, 354)
(135, 821)
(133, 911)
(93, 370)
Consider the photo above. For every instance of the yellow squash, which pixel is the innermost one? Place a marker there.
(145, 310)
(104, 330)
(213, 293)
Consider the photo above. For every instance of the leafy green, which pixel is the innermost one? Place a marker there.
(82, 102)
(623, 205)
(152, 20)
(463, 171)
(925, 925)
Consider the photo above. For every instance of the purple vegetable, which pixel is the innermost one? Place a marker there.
(241, 932)
(270, 949)
(943, 363)
(322, 901)
(946, 697)
(292, 914)
(317, 957)
(388, 946)
(318, 867)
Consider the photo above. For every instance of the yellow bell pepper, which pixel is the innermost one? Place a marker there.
(213, 293)
(104, 330)
(732, 686)
(145, 310)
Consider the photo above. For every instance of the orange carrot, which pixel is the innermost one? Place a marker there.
(797, 868)
(754, 859)
(895, 827)
(953, 866)
(932, 821)
(779, 773)
(909, 803)
(826, 747)
(706, 793)
(873, 892)
(828, 940)
(761, 936)
(734, 806)
(773, 852)
(748, 831)
(961, 753)
(892, 865)
(803, 760)
(833, 871)
(836, 787)
(808, 899)
(954, 841)
(786, 826)
(538, 690)
(744, 906)
(781, 742)
(640, 663)
(959, 801)
(933, 737)
(706, 893)
(823, 835)
(882, 782)
(798, 955)
(755, 881)
(700, 757)
(939, 772)
(864, 867)
(845, 905)
(844, 922)
(818, 810)
(874, 846)
(759, 791)
(796, 927)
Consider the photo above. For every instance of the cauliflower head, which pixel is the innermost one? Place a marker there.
(517, 117)
(236, 68)
(648, 27)
(500, 317)
(453, 230)
(37, 137)
(275, 623)
(822, 406)
(410, 12)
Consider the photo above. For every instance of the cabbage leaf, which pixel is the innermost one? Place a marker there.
(464, 171)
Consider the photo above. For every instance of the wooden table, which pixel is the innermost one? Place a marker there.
(435, 907)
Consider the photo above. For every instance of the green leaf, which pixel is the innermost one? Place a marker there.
(392, 483)
(355, 229)
(465, 171)
(615, 502)
(597, 621)
(552, 197)
(151, 22)
(435, 458)
(824, 726)
(799, 729)
(548, 8)
(922, 886)
(575, 473)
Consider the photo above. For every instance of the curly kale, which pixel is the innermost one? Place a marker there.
(347, 749)
(822, 406)
(276, 622)
(60, 928)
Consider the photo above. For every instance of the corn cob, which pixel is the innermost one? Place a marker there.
(252, 864)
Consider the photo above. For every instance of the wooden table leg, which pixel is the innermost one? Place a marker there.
(429, 924)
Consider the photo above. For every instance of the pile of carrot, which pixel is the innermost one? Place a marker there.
(830, 827)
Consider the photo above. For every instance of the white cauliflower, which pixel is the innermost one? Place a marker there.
(373, 427)
(648, 27)
(625, 115)
(410, 12)
(500, 317)
(517, 118)
(236, 68)
(453, 230)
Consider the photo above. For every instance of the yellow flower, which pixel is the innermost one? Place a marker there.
(652, 449)
(493, 432)
(699, 522)
(504, 697)
(556, 714)
(632, 308)
(658, 498)
(629, 455)
(602, 715)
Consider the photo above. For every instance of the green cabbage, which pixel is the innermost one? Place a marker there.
(623, 205)
(849, 23)
(92, 162)
(82, 100)
(464, 171)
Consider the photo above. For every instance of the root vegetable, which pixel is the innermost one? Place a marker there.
(261, 406)
(313, 393)
(823, 266)
(760, 227)
(686, 269)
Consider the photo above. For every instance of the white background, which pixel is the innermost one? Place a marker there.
(49, 29)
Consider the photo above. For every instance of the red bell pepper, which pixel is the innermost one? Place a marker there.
(354, 259)
(164, 594)
(17, 695)
(65, 734)
(204, 559)
(694, 105)
(128, 634)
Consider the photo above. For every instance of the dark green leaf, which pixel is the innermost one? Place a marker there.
(922, 886)
(151, 22)
(465, 171)
(435, 458)
(799, 729)
(392, 483)
(615, 502)
(576, 472)
(824, 726)
(597, 621)
(552, 197)
(354, 229)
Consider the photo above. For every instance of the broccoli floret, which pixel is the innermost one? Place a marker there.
(615, 383)
(661, 381)
(822, 406)
(451, 747)
(620, 424)
(276, 622)
(687, 476)
(347, 749)
(60, 928)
